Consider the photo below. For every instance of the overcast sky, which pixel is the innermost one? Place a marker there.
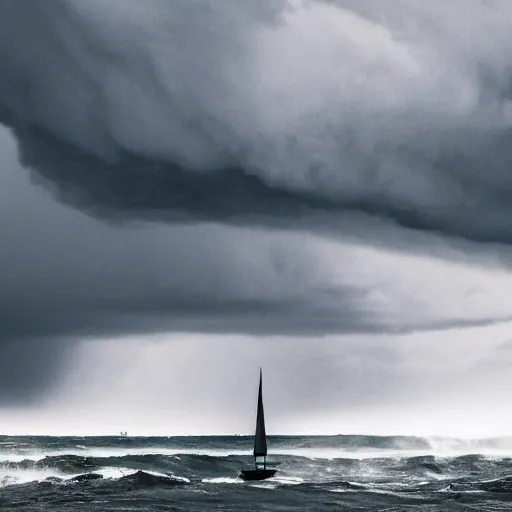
(192, 189)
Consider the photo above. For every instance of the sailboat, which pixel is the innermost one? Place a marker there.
(260, 470)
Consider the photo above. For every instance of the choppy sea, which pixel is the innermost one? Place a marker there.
(346, 473)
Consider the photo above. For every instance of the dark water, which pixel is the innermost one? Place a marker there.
(359, 473)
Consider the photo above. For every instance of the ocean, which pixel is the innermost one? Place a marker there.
(348, 473)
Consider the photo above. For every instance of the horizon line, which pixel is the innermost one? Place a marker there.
(119, 435)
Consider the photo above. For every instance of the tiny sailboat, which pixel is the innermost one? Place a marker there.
(260, 470)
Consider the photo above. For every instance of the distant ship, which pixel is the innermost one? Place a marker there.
(260, 470)
(124, 434)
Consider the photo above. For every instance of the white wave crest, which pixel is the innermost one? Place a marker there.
(23, 476)
(222, 480)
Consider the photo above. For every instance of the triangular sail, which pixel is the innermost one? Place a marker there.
(260, 438)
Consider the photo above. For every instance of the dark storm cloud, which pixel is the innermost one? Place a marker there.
(120, 81)
(222, 111)
(167, 114)
(135, 188)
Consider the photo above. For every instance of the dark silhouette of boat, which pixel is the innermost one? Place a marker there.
(260, 470)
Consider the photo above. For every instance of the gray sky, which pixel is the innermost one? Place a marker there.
(319, 187)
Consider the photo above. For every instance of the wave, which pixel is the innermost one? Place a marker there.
(387, 476)
(13, 449)
(338, 463)
(198, 470)
(18, 475)
(15, 476)
(292, 468)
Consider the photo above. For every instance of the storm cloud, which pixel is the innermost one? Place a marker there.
(301, 168)
(267, 113)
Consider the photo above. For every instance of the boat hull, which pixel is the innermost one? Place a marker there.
(257, 474)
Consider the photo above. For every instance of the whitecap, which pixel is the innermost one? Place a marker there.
(222, 480)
